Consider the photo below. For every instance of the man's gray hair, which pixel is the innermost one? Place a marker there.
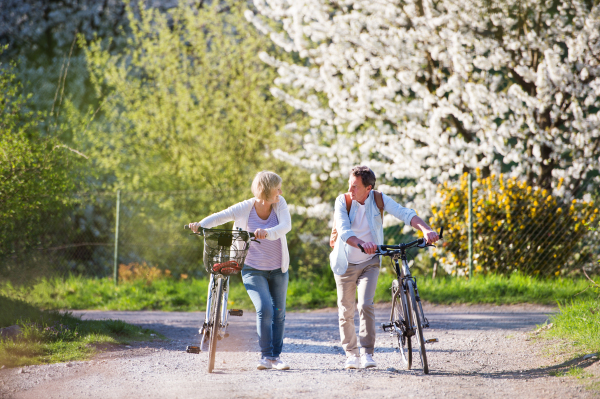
(263, 183)
(366, 175)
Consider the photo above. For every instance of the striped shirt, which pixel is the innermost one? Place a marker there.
(267, 254)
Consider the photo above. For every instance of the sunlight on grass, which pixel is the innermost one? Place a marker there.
(52, 336)
(578, 322)
(169, 294)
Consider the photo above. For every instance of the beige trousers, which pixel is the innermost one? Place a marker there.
(362, 276)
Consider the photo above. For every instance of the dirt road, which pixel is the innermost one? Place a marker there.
(483, 351)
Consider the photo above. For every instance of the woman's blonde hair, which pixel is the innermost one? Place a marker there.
(263, 183)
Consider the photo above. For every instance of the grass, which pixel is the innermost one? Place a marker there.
(492, 289)
(576, 372)
(578, 323)
(190, 295)
(572, 333)
(52, 336)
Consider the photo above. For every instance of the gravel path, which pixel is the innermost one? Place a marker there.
(483, 352)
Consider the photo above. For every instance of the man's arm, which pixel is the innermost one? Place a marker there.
(344, 227)
(428, 233)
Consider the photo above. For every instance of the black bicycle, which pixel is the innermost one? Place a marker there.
(407, 319)
(224, 254)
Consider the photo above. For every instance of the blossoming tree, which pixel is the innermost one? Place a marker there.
(427, 90)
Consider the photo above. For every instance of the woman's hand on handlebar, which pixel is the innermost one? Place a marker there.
(260, 234)
(195, 227)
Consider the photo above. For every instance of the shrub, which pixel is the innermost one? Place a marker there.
(516, 227)
(136, 271)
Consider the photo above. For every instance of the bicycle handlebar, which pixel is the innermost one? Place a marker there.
(390, 249)
(200, 231)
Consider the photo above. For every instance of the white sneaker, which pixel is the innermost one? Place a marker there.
(351, 362)
(366, 361)
(264, 364)
(279, 364)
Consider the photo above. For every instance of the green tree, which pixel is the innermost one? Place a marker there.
(186, 105)
(35, 171)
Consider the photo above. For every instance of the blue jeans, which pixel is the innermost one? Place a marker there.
(267, 290)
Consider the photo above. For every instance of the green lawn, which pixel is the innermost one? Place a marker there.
(52, 336)
(190, 295)
(578, 322)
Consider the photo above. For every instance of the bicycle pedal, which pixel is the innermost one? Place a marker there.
(192, 349)
(431, 340)
(386, 327)
(236, 312)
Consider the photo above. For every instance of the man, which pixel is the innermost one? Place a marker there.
(353, 269)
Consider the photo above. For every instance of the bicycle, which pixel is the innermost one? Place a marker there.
(406, 317)
(224, 254)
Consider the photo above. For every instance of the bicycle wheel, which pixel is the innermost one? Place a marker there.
(417, 320)
(397, 320)
(213, 323)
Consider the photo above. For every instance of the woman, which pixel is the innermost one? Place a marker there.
(265, 273)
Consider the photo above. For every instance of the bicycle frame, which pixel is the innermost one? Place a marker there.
(404, 278)
(221, 330)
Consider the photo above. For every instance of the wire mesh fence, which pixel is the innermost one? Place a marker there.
(519, 228)
(515, 228)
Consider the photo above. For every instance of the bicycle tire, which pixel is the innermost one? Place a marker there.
(216, 319)
(417, 320)
(396, 317)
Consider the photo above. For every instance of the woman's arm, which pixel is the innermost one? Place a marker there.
(285, 221)
(219, 218)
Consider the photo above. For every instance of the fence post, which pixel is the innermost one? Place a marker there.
(115, 265)
(470, 226)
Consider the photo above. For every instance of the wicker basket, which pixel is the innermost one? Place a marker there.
(225, 250)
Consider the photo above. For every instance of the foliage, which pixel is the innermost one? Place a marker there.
(185, 110)
(429, 90)
(51, 336)
(136, 271)
(183, 106)
(40, 35)
(35, 170)
(540, 232)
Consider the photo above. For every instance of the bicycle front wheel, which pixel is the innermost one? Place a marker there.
(397, 320)
(213, 323)
(417, 320)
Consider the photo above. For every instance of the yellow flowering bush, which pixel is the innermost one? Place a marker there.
(516, 227)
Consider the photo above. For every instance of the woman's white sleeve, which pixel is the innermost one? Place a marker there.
(285, 222)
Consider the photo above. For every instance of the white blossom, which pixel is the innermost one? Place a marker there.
(426, 91)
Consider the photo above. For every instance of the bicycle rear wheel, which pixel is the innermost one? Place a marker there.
(397, 320)
(417, 320)
(214, 321)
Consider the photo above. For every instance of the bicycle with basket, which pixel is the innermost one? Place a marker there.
(224, 255)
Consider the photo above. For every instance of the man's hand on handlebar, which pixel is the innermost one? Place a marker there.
(195, 227)
(430, 236)
(369, 247)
